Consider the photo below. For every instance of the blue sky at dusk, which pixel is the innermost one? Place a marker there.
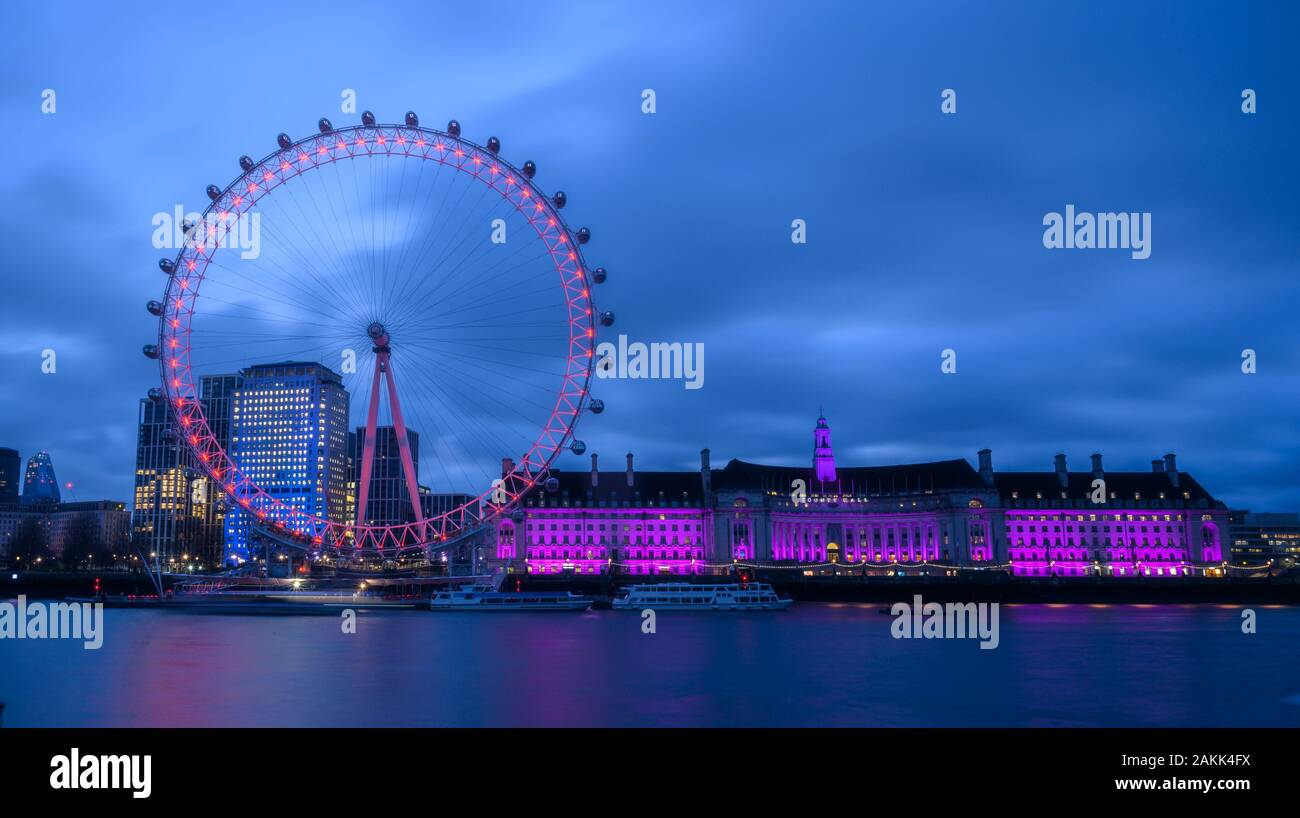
(924, 230)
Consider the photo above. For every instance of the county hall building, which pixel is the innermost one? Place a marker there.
(943, 515)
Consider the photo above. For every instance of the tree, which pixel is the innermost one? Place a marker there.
(29, 542)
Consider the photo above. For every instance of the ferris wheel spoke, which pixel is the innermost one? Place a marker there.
(416, 269)
(498, 281)
(483, 245)
(282, 296)
(409, 274)
(390, 286)
(325, 291)
(330, 275)
(427, 400)
(469, 413)
(347, 266)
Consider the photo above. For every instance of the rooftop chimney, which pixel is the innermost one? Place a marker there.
(1061, 474)
(595, 475)
(706, 474)
(1171, 469)
(1097, 471)
(629, 470)
(986, 466)
(1157, 466)
(507, 465)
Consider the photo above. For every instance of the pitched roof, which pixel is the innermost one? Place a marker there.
(1124, 485)
(910, 477)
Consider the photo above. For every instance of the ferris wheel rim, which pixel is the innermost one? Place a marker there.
(181, 384)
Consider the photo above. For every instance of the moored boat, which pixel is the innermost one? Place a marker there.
(752, 596)
(487, 598)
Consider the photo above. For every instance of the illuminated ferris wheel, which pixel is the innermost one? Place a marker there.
(433, 278)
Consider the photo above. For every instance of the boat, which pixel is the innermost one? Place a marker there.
(481, 597)
(752, 596)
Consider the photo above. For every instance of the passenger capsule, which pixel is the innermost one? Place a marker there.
(151, 351)
(584, 235)
(367, 119)
(607, 319)
(283, 140)
(559, 200)
(167, 265)
(577, 447)
(324, 125)
(599, 275)
(154, 307)
(596, 406)
(214, 192)
(530, 169)
(552, 485)
(453, 128)
(156, 394)
(246, 163)
(494, 145)
(412, 121)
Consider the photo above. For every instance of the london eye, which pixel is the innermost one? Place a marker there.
(434, 278)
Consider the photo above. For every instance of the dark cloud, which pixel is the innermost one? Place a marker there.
(924, 231)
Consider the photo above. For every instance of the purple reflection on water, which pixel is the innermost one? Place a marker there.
(811, 665)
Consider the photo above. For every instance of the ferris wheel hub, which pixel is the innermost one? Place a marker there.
(378, 334)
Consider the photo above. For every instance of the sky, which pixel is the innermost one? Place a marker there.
(924, 229)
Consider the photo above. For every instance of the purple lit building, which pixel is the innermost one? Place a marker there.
(938, 516)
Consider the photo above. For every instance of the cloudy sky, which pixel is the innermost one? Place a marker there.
(924, 230)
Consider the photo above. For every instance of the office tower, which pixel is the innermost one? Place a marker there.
(39, 484)
(389, 501)
(10, 467)
(289, 436)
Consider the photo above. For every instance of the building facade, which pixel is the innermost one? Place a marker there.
(178, 513)
(1266, 539)
(938, 515)
(10, 474)
(39, 483)
(289, 434)
(389, 500)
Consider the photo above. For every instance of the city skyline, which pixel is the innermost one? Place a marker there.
(943, 249)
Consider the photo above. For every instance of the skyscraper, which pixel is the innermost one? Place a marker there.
(10, 465)
(389, 501)
(39, 484)
(178, 513)
(289, 436)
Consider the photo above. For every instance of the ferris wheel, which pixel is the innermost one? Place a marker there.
(434, 280)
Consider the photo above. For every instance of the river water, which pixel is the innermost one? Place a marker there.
(813, 665)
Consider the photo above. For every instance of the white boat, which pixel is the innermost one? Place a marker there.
(487, 598)
(752, 596)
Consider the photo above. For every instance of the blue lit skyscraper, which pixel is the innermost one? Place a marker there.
(289, 435)
(39, 484)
